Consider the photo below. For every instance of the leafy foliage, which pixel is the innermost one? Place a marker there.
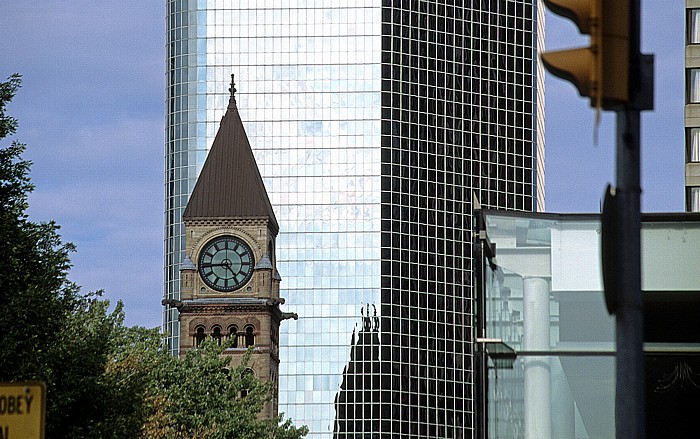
(201, 397)
(103, 379)
(37, 299)
(96, 393)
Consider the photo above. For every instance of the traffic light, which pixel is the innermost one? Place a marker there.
(600, 71)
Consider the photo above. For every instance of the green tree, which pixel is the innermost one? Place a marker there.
(37, 299)
(135, 354)
(50, 332)
(35, 294)
(199, 396)
(103, 379)
(100, 373)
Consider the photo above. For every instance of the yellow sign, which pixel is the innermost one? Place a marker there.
(22, 410)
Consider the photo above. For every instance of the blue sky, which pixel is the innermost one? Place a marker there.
(91, 110)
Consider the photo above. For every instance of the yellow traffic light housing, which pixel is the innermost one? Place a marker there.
(600, 71)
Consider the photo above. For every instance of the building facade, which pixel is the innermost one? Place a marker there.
(377, 126)
(692, 106)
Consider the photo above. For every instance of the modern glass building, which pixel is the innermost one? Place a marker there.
(377, 126)
(549, 368)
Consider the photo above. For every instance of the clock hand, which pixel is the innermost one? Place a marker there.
(226, 264)
(223, 264)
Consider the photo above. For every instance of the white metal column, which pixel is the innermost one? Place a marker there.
(537, 369)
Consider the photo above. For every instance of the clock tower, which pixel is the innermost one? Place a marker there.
(229, 288)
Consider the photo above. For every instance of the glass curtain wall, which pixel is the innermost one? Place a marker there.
(185, 142)
(543, 303)
(374, 124)
(544, 300)
(308, 81)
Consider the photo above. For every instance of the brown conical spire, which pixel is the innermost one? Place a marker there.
(230, 185)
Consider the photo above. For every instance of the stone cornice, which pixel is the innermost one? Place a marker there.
(223, 305)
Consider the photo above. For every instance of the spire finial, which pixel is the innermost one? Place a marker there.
(232, 90)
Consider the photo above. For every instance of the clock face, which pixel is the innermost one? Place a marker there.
(226, 263)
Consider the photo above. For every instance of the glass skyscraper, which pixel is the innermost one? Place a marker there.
(377, 127)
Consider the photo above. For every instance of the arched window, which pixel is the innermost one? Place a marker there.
(233, 335)
(216, 334)
(249, 336)
(199, 336)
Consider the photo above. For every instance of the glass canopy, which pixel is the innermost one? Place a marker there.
(549, 342)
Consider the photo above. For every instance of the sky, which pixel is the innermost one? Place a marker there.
(91, 110)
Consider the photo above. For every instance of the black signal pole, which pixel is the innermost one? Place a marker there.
(617, 77)
(630, 390)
